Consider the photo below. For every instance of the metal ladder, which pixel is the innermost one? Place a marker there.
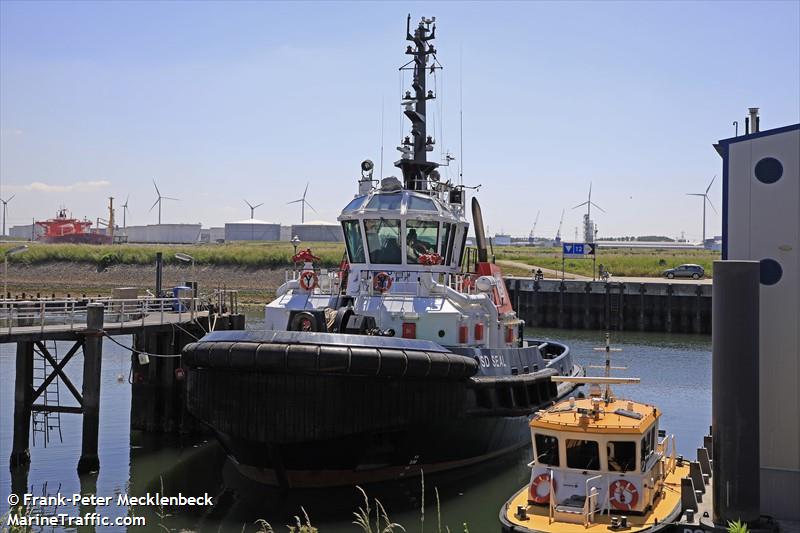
(614, 297)
(46, 421)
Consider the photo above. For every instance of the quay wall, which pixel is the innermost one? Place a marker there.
(617, 306)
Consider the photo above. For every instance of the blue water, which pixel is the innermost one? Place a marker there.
(675, 370)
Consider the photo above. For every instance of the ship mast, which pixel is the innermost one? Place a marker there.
(414, 161)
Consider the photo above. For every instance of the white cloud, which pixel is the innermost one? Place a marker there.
(80, 186)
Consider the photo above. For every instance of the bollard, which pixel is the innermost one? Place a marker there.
(92, 362)
(735, 392)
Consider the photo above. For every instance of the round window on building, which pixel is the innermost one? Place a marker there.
(768, 170)
(771, 272)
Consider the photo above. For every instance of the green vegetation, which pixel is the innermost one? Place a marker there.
(251, 255)
(738, 527)
(619, 261)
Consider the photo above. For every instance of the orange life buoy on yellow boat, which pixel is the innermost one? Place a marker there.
(308, 280)
(539, 491)
(382, 282)
(623, 495)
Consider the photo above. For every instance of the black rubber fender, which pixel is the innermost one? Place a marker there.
(390, 358)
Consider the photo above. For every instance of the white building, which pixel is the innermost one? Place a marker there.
(761, 221)
(318, 231)
(26, 231)
(252, 230)
(163, 233)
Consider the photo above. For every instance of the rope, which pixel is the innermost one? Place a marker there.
(135, 351)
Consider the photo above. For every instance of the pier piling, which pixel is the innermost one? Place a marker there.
(23, 394)
(92, 353)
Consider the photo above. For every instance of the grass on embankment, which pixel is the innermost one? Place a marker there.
(620, 262)
(251, 255)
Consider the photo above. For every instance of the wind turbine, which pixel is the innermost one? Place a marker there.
(705, 199)
(125, 212)
(159, 201)
(302, 201)
(253, 208)
(5, 208)
(587, 220)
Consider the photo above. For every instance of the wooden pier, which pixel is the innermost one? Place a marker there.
(660, 306)
(160, 327)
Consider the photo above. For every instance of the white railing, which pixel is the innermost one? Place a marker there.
(70, 314)
(590, 503)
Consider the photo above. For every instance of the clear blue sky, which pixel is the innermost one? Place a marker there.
(224, 101)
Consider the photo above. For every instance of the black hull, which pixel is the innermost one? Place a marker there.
(323, 428)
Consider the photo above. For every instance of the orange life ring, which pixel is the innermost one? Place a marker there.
(623, 495)
(534, 494)
(382, 282)
(308, 280)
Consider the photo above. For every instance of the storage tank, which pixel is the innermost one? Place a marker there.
(318, 231)
(164, 233)
(252, 229)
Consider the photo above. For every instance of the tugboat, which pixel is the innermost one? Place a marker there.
(600, 464)
(408, 358)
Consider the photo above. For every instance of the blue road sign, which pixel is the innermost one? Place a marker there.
(576, 249)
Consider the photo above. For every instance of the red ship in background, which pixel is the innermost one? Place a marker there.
(64, 229)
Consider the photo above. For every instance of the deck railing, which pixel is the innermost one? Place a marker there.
(71, 313)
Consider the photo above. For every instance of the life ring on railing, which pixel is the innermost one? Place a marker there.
(539, 491)
(382, 282)
(623, 495)
(308, 280)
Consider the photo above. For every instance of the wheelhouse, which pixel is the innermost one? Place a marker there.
(387, 228)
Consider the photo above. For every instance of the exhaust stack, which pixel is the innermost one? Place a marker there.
(753, 120)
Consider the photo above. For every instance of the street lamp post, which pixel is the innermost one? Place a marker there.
(186, 258)
(10, 251)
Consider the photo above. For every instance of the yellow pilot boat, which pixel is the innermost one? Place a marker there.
(600, 464)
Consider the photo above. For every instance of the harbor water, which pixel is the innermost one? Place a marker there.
(675, 370)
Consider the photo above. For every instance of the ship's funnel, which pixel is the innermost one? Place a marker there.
(480, 236)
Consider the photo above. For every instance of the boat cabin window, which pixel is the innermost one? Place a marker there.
(415, 203)
(352, 238)
(546, 450)
(583, 454)
(443, 248)
(383, 240)
(421, 238)
(621, 455)
(648, 446)
(461, 251)
(386, 202)
(353, 205)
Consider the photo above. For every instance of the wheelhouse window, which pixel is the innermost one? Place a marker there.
(415, 203)
(461, 251)
(421, 238)
(383, 241)
(546, 450)
(353, 205)
(648, 447)
(353, 241)
(386, 202)
(621, 456)
(583, 454)
(443, 247)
